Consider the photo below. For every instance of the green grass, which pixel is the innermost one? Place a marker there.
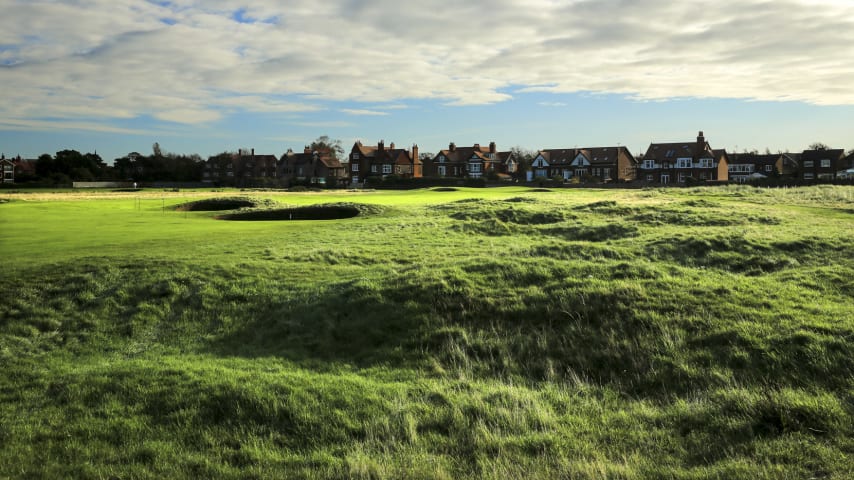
(476, 333)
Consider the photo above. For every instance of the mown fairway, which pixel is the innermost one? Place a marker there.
(498, 333)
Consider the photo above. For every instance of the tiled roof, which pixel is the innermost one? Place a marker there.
(833, 154)
(666, 151)
(754, 158)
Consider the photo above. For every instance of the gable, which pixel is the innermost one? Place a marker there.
(580, 161)
(540, 161)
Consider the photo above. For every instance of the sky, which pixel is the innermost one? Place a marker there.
(203, 77)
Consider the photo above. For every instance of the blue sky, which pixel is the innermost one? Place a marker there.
(115, 76)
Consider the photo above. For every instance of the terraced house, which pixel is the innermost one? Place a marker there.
(822, 164)
(678, 162)
(378, 161)
(604, 164)
(471, 162)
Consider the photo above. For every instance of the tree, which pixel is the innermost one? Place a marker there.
(156, 150)
(818, 146)
(426, 156)
(44, 165)
(326, 144)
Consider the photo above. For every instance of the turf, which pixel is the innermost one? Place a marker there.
(472, 333)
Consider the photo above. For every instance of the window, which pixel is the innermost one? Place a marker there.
(441, 159)
(684, 163)
(769, 168)
(441, 170)
(475, 167)
(386, 169)
(825, 163)
(649, 164)
(665, 179)
(682, 177)
(354, 167)
(808, 176)
(706, 163)
(649, 178)
(355, 179)
(702, 176)
(808, 164)
(355, 156)
(373, 168)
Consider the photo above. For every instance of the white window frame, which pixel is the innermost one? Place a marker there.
(374, 169)
(809, 164)
(354, 167)
(825, 163)
(441, 170)
(475, 168)
(648, 164)
(386, 169)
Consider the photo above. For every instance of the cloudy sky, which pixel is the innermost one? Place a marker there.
(207, 76)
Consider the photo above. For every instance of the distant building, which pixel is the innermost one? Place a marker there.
(472, 162)
(666, 163)
(604, 164)
(822, 164)
(378, 161)
(7, 170)
(240, 169)
(311, 166)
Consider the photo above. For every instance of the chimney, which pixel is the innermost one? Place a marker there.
(491, 147)
(701, 140)
(476, 147)
(253, 153)
(391, 146)
(307, 150)
(381, 146)
(452, 147)
(414, 152)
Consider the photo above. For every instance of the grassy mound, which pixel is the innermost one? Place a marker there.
(223, 203)
(329, 211)
(445, 189)
(413, 345)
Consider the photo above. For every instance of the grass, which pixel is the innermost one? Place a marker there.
(701, 333)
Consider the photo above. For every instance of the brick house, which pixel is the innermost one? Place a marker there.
(378, 161)
(607, 164)
(751, 166)
(241, 169)
(822, 164)
(471, 162)
(317, 167)
(666, 163)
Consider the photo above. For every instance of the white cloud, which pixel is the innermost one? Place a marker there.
(119, 59)
(356, 111)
